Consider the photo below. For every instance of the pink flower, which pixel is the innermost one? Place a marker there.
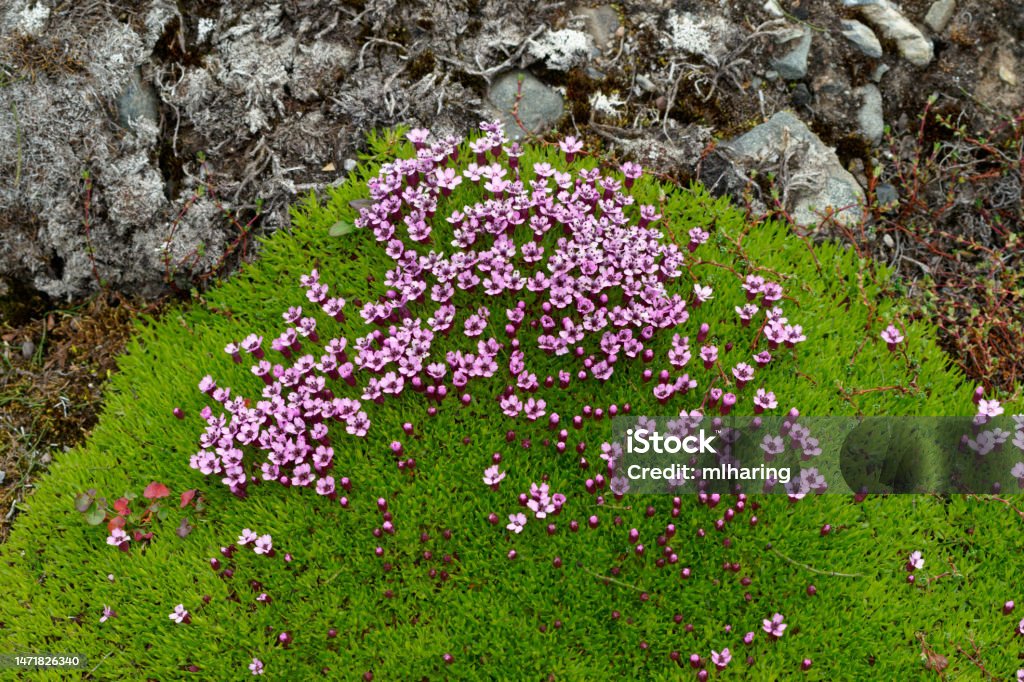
(772, 446)
(180, 615)
(117, 537)
(702, 294)
(516, 522)
(107, 613)
(493, 475)
(721, 659)
(256, 666)
(570, 146)
(264, 545)
(990, 408)
(915, 561)
(892, 337)
(743, 373)
(774, 627)
(764, 400)
(246, 537)
(1018, 468)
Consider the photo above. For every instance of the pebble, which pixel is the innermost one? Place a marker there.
(601, 23)
(939, 14)
(28, 349)
(913, 46)
(863, 37)
(793, 66)
(539, 109)
(870, 119)
(137, 102)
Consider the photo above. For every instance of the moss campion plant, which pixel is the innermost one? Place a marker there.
(401, 435)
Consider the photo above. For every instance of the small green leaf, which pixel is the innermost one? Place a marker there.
(342, 227)
(95, 516)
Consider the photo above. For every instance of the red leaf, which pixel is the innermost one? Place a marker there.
(121, 506)
(155, 491)
(186, 497)
(116, 522)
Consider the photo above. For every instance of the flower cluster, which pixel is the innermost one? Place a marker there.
(547, 266)
(585, 267)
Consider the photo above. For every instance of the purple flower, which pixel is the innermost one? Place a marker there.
(264, 545)
(516, 522)
(915, 561)
(1018, 468)
(764, 400)
(180, 615)
(702, 294)
(493, 476)
(418, 136)
(772, 446)
(892, 337)
(989, 408)
(570, 146)
(774, 627)
(256, 667)
(118, 538)
(720, 660)
(744, 373)
(246, 537)
(107, 614)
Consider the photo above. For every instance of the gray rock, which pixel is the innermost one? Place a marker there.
(939, 15)
(863, 37)
(28, 349)
(540, 106)
(793, 66)
(816, 179)
(137, 102)
(601, 23)
(870, 120)
(879, 71)
(886, 194)
(912, 44)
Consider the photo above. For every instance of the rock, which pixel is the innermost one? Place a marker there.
(817, 180)
(1005, 66)
(28, 349)
(870, 119)
(863, 37)
(539, 109)
(793, 66)
(886, 195)
(601, 23)
(939, 14)
(880, 70)
(912, 44)
(137, 103)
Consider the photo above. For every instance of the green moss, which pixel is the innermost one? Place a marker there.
(489, 613)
